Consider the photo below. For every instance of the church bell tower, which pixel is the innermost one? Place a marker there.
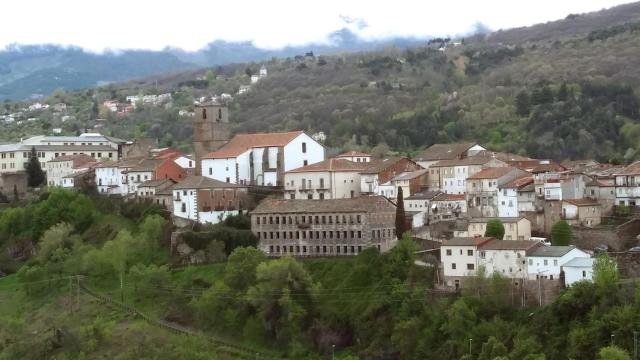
(210, 130)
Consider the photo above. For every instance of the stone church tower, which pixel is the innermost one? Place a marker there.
(210, 130)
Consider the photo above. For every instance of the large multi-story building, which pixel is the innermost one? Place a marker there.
(483, 187)
(328, 179)
(261, 159)
(628, 185)
(336, 227)
(14, 157)
(450, 176)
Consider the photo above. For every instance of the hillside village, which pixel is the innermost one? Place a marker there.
(450, 194)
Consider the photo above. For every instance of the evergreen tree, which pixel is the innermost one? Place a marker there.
(523, 105)
(401, 222)
(561, 234)
(495, 229)
(563, 93)
(16, 196)
(35, 175)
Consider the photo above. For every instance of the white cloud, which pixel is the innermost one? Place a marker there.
(191, 24)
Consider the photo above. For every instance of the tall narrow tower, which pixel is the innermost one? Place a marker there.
(210, 130)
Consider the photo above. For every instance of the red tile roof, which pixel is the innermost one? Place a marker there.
(582, 202)
(332, 165)
(518, 183)
(449, 197)
(491, 173)
(243, 142)
(633, 169)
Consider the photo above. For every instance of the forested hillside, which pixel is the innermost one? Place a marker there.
(582, 86)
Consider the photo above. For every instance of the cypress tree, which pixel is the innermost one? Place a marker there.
(35, 175)
(401, 222)
(561, 234)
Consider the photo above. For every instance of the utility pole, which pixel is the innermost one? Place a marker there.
(70, 294)
(470, 339)
(635, 345)
(78, 291)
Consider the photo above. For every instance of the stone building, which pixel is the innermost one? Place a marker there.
(336, 227)
(376, 178)
(210, 131)
(205, 200)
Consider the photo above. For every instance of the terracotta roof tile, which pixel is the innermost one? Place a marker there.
(467, 241)
(583, 202)
(203, 182)
(632, 169)
(444, 151)
(491, 173)
(79, 160)
(518, 183)
(243, 142)
(527, 245)
(449, 197)
(331, 165)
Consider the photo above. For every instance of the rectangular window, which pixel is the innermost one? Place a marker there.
(448, 252)
(469, 252)
(453, 266)
(546, 262)
(470, 266)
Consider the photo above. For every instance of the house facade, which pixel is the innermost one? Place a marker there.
(627, 183)
(584, 212)
(328, 179)
(483, 188)
(261, 159)
(439, 152)
(578, 269)
(514, 228)
(355, 156)
(509, 195)
(507, 258)
(376, 178)
(459, 259)
(205, 200)
(453, 174)
(334, 227)
(546, 261)
(59, 168)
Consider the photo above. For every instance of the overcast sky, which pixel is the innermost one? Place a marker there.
(191, 24)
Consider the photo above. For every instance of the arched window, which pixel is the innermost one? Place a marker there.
(204, 114)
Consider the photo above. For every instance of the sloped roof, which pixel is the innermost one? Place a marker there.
(502, 219)
(551, 251)
(203, 182)
(243, 142)
(449, 197)
(583, 202)
(502, 156)
(471, 160)
(583, 262)
(358, 204)
(632, 169)
(444, 151)
(331, 165)
(518, 183)
(157, 183)
(491, 173)
(510, 245)
(409, 175)
(79, 160)
(147, 165)
(467, 241)
(377, 166)
(124, 163)
(424, 195)
(353, 154)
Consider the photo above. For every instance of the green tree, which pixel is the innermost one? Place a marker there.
(240, 271)
(561, 234)
(606, 276)
(35, 175)
(401, 220)
(495, 229)
(563, 93)
(401, 258)
(613, 353)
(282, 296)
(492, 349)
(523, 106)
(56, 237)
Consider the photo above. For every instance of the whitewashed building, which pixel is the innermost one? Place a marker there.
(507, 258)
(111, 178)
(628, 185)
(483, 188)
(459, 259)
(328, 179)
(509, 195)
(578, 269)
(206, 200)
(59, 168)
(453, 174)
(261, 159)
(546, 261)
(355, 156)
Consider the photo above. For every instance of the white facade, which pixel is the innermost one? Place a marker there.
(459, 260)
(135, 178)
(300, 151)
(509, 263)
(185, 205)
(322, 185)
(186, 163)
(58, 173)
(578, 269)
(514, 228)
(547, 261)
(508, 202)
(14, 157)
